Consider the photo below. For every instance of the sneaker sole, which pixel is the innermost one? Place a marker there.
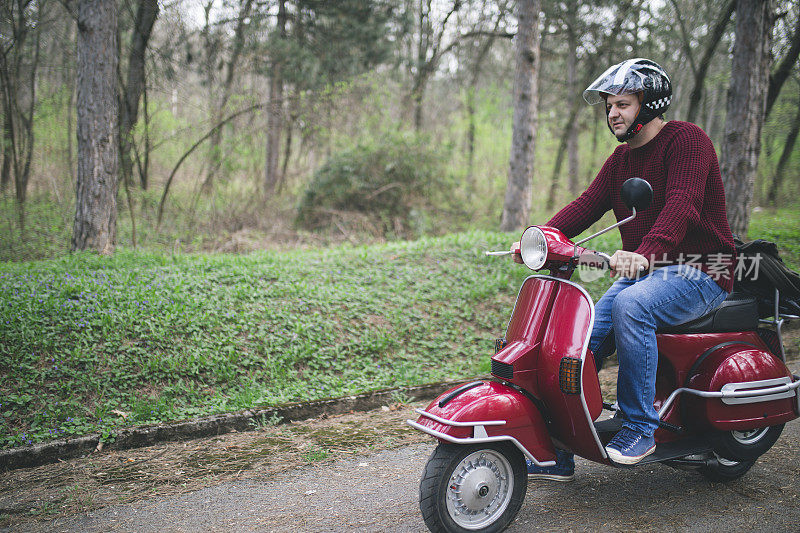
(618, 458)
(552, 477)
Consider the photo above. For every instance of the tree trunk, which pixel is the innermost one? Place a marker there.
(95, 226)
(788, 148)
(275, 112)
(745, 108)
(472, 89)
(562, 149)
(572, 79)
(517, 204)
(146, 15)
(5, 171)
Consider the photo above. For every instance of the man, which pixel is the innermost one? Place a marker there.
(669, 264)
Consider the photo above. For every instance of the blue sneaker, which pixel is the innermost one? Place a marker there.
(628, 447)
(563, 470)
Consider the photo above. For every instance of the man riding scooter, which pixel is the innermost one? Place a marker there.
(676, 262)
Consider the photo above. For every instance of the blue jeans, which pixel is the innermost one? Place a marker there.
(629, 314)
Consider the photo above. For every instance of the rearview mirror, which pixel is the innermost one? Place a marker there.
(637, 193)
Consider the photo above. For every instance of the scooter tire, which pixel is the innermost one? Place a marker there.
(442, 516)
(746, 445)
(723, 470)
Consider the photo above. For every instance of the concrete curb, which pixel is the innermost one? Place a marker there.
(54, 451)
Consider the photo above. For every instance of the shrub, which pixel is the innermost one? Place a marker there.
(383, 188)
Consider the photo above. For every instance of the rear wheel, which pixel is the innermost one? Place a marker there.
(724, 470)
(746, 445)
(472, 488)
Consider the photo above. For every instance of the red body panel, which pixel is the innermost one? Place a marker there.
(738, 363)
(552, 320)
(494, 401)
(747, 359)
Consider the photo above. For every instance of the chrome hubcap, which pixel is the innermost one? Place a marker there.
(750, 436)
(479, 489)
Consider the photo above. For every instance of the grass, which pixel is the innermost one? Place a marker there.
(89, 344)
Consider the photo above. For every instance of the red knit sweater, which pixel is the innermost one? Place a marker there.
(686, 221)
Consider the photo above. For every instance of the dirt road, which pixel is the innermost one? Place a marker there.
(360, 472)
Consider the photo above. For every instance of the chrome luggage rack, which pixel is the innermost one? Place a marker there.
(778, 320)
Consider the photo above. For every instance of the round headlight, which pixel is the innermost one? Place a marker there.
(533, 248)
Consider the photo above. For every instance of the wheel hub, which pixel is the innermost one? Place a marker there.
(479, 489)
(749, 436)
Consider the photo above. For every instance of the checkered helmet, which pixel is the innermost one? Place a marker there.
(634, 76)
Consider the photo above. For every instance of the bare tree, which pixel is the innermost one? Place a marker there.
(701, 69)
(778, 77)
(788, 148)
(276, 109)
(745, 108)
(95, 226)
(517, 204)
(131, 94)
(429, 50)
(221, 95)
(437, 32)
(20, 33)
(477, 51)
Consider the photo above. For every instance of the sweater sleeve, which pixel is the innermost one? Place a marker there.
(587, 208)
(686, 163)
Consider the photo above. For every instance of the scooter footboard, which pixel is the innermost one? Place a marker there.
(487, 411)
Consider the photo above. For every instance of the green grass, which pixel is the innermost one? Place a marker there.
(91, 344)
(781, 226)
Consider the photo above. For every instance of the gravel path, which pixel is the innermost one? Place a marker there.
(378, 492)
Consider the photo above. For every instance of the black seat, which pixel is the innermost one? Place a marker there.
(739, 312)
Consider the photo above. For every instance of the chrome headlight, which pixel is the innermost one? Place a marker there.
(533, 248)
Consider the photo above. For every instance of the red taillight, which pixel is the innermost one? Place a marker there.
(569, 375)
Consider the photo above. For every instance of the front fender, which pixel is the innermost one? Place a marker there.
(488, 411)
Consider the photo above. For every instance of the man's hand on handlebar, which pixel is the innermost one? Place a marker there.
(628, 264)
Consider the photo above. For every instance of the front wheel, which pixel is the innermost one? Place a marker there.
(472, 488)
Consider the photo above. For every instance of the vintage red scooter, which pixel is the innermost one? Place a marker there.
(723, 392)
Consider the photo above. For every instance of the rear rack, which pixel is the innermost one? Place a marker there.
(777, 320)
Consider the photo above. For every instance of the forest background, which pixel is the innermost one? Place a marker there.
(246, 124)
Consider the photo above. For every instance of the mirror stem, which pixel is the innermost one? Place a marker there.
(618, 224)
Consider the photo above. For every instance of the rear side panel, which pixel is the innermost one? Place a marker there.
(735, 367)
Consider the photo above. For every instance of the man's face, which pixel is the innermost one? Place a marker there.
(622, 111)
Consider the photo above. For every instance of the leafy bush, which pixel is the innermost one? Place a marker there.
(383, 188)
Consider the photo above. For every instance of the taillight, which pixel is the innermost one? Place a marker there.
(569, 375)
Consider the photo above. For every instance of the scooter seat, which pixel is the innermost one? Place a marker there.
(739, 312)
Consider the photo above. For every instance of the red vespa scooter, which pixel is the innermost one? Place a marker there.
(723, 392)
